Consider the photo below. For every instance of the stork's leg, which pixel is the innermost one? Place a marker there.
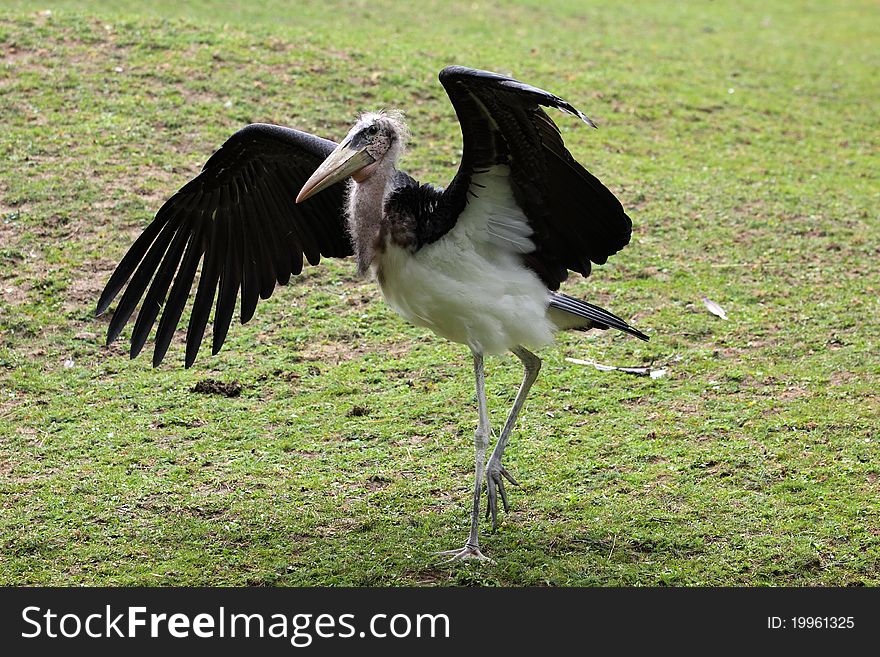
(495, 472)
(471, 550)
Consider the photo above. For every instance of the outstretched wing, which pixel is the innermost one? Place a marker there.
(238, 218)
(575, 219)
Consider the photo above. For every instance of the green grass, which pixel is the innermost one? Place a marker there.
(742, 138)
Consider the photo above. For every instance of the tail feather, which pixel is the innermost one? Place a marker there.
(598, 317)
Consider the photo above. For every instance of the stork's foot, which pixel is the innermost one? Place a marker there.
(467, 552)
(495, 476)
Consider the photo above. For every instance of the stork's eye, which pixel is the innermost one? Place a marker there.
(372, 130)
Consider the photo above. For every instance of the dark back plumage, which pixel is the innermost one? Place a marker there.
(420, 209)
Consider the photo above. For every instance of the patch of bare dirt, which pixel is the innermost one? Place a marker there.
(842, 377)
(12, 295)
(337, 526)
(335, 352)
(375, 482)
(212, 489)
(215, 387)
(793, 392)
(84, 290)
(8, 403)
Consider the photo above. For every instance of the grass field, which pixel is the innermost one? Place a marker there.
(741, 137)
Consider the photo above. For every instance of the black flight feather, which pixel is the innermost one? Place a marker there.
(238, 220)
(575, 218)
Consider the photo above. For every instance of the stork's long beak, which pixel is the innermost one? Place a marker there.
(340, 164)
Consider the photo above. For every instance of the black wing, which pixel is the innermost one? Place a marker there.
(238, 218)
(575, 218)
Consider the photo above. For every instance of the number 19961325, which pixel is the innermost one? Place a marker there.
(811, 623)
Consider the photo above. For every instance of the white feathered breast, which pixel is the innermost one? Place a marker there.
(470, 286)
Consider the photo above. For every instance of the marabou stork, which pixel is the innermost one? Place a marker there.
(479, 263)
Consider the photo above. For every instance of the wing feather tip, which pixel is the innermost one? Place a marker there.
(102, 306)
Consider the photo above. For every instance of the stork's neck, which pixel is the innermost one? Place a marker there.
(366, 205)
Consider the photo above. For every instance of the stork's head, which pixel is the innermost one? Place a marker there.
(374, 144)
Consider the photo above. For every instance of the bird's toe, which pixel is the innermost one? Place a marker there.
(495, 476)
(467, 552)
